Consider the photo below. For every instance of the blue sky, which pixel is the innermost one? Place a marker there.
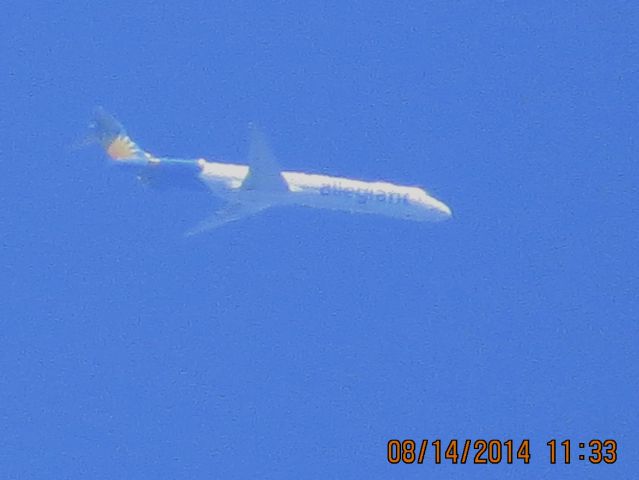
(295, 344)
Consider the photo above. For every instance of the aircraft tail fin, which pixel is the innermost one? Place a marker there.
(109, 132)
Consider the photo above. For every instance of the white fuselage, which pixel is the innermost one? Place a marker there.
(321, 191)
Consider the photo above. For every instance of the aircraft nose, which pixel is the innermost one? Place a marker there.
(442, 211)
(445, 211)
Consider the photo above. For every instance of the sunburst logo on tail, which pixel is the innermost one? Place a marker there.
(114, 139)
(123, 148)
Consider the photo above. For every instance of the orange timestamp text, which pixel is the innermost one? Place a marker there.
(486, 452)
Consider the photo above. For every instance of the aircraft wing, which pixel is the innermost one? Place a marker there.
(265, 173)
(228, 213)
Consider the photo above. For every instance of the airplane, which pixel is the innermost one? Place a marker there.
(261, 184)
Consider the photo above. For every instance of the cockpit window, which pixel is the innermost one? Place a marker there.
(418, 195)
